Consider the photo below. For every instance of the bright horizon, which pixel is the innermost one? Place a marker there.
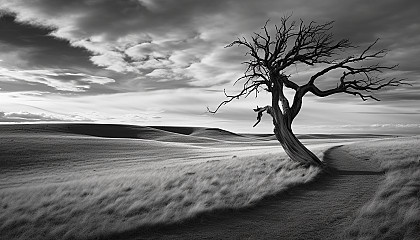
(163, 63)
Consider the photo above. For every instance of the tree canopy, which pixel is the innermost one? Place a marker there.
(292, 43)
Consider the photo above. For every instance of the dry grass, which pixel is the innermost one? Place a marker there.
(394, 212)
(98, 206)
(57, 183)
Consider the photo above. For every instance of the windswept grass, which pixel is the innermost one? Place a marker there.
(98, 206)
(394, 212)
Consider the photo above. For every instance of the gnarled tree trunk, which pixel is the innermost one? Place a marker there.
(293, 147)
(282, 120)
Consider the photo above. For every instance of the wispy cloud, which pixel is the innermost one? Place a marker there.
(58, 79)
(18, 117)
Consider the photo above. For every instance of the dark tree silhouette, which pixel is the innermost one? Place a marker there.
(297, 43)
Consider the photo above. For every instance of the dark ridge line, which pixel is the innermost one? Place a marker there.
(195, 134)
(185, 130)
(193, 130)
(112, 130)
(181, 130)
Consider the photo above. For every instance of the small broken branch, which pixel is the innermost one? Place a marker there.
(260, 111)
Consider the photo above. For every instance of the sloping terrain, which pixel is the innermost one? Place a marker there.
(124, 181)
(372, 193)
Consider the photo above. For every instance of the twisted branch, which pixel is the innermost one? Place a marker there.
(308, 44)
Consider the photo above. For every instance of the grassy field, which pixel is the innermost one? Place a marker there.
(98, 206)
(85, 181)
(78, 181)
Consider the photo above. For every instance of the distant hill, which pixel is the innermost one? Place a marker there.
(159, 133)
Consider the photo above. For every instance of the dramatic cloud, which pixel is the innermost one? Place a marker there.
(179, 39)
(142, 46)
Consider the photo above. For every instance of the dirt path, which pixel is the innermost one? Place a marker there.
(319, 210)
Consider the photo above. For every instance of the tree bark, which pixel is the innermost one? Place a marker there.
(293, 147)
(282, 120)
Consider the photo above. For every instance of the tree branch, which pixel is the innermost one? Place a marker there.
(361, 87)
(246, 91)
(311, 44)
(260, 111)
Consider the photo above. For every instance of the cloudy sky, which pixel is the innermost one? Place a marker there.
(163, 62)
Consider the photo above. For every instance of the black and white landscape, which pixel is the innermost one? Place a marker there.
(225, 119)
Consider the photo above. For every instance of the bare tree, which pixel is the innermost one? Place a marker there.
(297, 43)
